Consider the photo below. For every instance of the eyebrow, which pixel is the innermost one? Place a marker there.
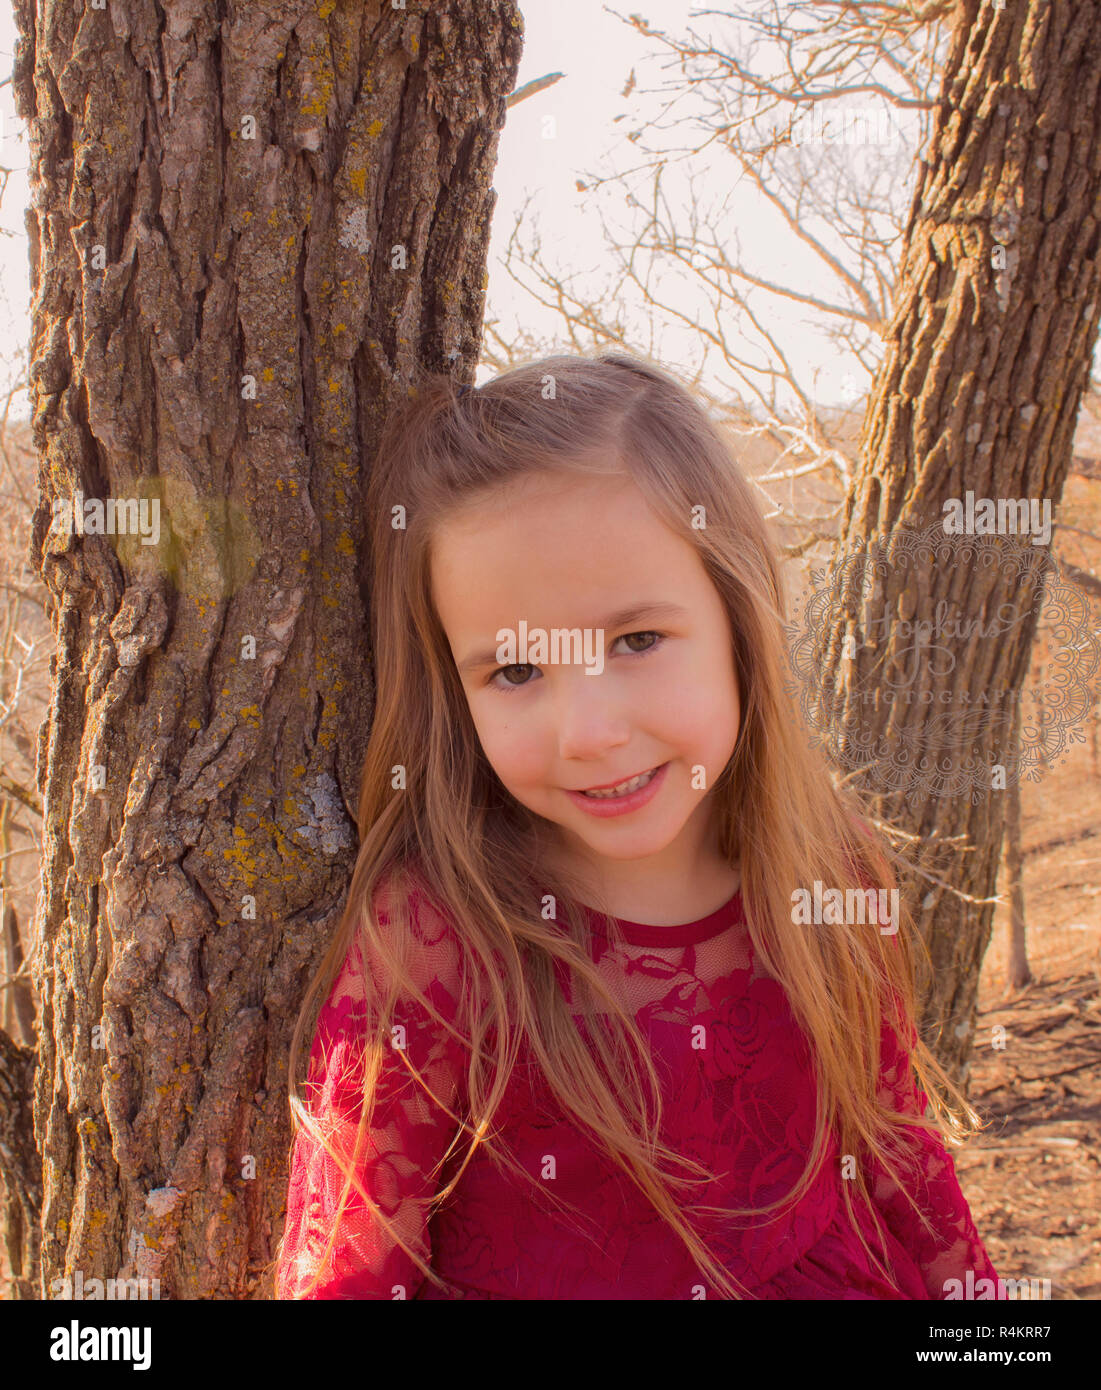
(623, 617)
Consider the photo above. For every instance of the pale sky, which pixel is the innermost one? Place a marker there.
(549, 142)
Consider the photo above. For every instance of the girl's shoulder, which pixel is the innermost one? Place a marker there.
(408, 921)
(402, 900)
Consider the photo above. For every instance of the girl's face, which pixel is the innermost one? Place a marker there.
(574, 553)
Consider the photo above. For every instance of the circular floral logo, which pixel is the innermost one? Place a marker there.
(915, 660)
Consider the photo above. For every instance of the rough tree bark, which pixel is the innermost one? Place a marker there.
(986, 362)
(247, 232)
(1017, 970)
(20, 1170)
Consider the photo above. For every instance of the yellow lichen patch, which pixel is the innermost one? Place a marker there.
(267, 374)
(194, 724)
(344, 544)
(358, 179)
(333, 385)
(247, 866)
(374, 130)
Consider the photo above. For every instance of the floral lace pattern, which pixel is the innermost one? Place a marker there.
(738, 1097)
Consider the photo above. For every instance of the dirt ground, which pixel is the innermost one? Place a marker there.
(1033, 1177)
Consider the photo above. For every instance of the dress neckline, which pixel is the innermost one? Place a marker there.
(684, 934)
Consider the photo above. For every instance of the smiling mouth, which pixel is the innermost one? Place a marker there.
(631, 784)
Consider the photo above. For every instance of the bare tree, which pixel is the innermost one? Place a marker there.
(25, 648)
(1018, 973)
(806, 114)
(987, 361)
(247, 234)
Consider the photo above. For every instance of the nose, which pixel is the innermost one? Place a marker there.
(589, 720)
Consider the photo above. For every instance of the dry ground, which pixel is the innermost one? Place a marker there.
(1033, 1177)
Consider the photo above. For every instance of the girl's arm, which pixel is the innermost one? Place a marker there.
(954, 1248)
(408, 1135)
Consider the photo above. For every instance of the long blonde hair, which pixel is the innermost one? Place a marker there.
(453, 832)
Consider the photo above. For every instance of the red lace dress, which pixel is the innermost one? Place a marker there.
(739, 1097)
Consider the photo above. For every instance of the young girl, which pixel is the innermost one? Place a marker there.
(576, 1042)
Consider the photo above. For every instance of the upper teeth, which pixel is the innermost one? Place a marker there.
(631, 785)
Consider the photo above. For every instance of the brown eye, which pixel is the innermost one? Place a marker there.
(509, 685)
(630, 636)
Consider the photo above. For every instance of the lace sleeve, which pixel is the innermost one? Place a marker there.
(953, 1248)
(400, 1153)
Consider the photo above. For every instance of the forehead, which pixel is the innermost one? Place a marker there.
(556, 552)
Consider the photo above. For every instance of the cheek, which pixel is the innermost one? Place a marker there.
(705, 707)
(698, 706)
(509, 743)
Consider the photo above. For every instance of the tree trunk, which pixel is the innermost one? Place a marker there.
(17, 1013)
(987, 359)
(20, 1171)
(247, 233)
(1018, 973)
